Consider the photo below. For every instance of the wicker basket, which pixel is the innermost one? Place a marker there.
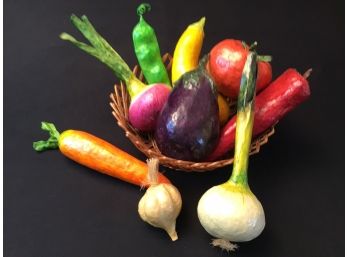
(145, 142)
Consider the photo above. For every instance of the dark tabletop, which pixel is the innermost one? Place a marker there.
(54, 207)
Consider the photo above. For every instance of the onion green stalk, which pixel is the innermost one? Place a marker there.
(230, 211)
(146, 101)
(102, 50)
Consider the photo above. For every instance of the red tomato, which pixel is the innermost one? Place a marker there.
(226, 63)
(264, 75)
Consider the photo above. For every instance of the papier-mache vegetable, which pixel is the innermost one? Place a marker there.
(192, 118)
(230, 211)
(146, 101)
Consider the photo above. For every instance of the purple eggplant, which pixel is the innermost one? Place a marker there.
(188, 125)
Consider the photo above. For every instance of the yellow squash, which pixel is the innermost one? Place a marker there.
(187, 50)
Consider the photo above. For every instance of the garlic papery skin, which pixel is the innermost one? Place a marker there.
(231, 212)
(161, 203)
(160, 206)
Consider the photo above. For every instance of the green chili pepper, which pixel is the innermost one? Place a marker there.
(147, 50)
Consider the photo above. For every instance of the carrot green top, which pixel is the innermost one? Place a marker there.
(52, 142)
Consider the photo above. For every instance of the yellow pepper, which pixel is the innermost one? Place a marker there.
(187, 50)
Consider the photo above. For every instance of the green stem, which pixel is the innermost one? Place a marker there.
(51, 142)
(143, 8)
(264, 58)
(245, 120)
(102, 50)
(253, 46)
(260, 58)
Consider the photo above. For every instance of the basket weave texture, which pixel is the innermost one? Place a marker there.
(145, 142)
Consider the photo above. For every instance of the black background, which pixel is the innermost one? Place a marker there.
(56, 208)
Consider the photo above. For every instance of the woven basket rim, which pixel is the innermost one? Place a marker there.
(145, 142)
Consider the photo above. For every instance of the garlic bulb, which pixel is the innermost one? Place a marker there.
(161, 203)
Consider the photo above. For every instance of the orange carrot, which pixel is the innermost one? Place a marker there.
(96, 154)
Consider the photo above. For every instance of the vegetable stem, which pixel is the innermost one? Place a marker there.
(245, 120)
(201, 22)
(152, 175)
(264, 58)
(253, 46)
(52, 142)
(143, 8)
(307, 73)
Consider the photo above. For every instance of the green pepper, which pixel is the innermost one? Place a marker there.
(147, 50)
